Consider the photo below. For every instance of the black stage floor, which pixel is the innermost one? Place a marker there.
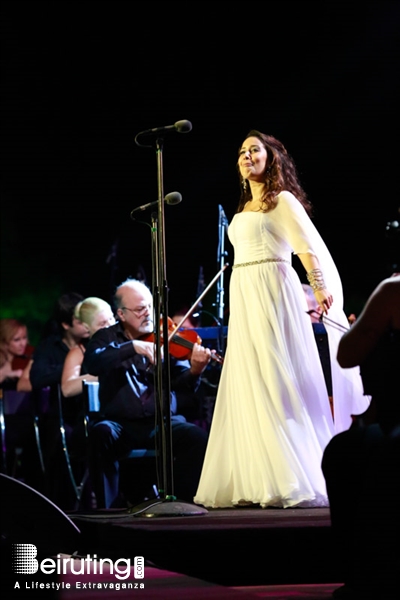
(231, 547)
(224, 553)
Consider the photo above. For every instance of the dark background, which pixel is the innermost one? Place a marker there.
(81, 79)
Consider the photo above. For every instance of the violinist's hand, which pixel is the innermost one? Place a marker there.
(6, 372)
(146, 349)
(200, 358)
(324, 299)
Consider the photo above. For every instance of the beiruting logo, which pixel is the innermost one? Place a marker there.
(24, 562)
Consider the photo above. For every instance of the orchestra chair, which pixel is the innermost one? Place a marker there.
(19, 422)
(78, 485)
(139, 460)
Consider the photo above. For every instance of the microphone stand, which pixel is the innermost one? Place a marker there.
(167, 505)
(222, 225)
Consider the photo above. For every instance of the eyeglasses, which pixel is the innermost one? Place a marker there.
(138, 312)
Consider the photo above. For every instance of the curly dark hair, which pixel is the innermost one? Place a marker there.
(280, 174)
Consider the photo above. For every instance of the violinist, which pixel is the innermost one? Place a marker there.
(191, 322)
(15, 352)
(123, 360)
(362, 465)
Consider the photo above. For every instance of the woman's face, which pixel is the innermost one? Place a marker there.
(18, 342)
(252, 159)
(104, 318)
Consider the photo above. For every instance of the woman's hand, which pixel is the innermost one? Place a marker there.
(324, 299)
(316, 280)
(6, 372)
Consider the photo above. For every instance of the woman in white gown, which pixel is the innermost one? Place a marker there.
(272, 418)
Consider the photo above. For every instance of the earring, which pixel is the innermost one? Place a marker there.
(244, 184)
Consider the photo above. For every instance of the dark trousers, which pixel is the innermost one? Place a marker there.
(111, 440)
(362, 472)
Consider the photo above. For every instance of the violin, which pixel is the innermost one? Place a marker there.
(181, 342)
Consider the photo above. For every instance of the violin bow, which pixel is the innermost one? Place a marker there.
(199, 299)
(326, 320)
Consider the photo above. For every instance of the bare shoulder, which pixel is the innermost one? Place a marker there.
(383, 306)
(388, 295)
(75, 354)
(389, 289)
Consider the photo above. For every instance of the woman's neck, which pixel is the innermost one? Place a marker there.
(70, 341)
(257, 189)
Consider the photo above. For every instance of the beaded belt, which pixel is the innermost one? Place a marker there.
(259, 262)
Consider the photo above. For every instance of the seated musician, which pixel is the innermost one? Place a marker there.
(17, 428)
(63, 332)
(15, 352)
(124, 364)
(362, 465)
(190, 322)
(95, 314)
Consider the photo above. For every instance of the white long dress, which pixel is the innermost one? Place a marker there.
(272, 418)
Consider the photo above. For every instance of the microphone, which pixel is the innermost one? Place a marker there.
(172, 198)
(178, 127)
(222, 216)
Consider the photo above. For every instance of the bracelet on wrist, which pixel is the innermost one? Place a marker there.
(316, 280)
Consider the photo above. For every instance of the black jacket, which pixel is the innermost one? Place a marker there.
(126, 378)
